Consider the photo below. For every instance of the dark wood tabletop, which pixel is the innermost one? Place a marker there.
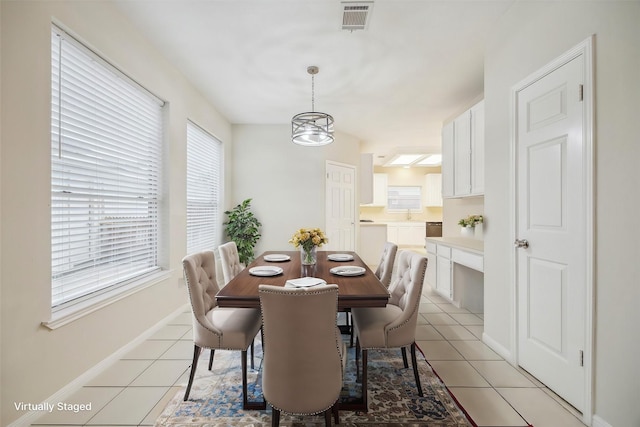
(353, 291)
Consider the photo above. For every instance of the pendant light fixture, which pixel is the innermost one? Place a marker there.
(312, 129)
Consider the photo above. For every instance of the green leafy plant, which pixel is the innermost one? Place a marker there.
(243, 228)
(471, 221)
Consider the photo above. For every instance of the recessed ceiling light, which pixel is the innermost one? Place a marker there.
(409, 160)
(432, 160)
(404, 159)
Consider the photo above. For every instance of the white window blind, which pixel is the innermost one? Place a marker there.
(204, 159)
(404, 197)
(106, 145)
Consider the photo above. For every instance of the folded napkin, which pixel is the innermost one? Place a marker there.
(304, 282)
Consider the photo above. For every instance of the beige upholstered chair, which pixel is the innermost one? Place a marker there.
(215, 327)
(393, 326)
(383, 272)
(385, 267)
(302, 366)
(230, 261)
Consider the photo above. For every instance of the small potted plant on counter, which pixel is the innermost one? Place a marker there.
(469, 223)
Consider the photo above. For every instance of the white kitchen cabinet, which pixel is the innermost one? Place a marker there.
(366, 178)
(407, 233)
(443, 278)
(447, 160)
(477, 149)
(459, 270)
(463, 154)
(379, 190)
(432, 265)
(433, 190)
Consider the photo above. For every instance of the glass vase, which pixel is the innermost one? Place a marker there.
(308, 256)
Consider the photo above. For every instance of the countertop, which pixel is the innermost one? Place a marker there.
(471, 245)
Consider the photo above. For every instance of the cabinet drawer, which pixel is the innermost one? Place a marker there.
(432, 248)
(468, 259)
(444, 251)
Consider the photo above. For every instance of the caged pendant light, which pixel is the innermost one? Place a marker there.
(312, 129)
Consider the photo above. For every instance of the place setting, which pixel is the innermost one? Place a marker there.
(276, 257)
(265, 271)
(340, 257)
(348, 270)
(304, 282)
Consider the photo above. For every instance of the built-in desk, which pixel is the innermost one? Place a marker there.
(459, 270)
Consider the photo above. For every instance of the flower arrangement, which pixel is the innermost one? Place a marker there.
(308, 239)
(471, 221)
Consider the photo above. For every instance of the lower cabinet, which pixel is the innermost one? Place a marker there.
(443, 273)
(443, 279)
(456, 273)
(406, 233)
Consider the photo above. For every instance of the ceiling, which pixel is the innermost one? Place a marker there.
(390, 85)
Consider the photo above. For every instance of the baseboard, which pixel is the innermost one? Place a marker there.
(596, 421)
(502, 351)
(66, 391)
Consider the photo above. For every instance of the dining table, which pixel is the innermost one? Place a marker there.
(358, 286)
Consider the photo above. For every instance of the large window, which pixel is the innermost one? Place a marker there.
(106, 145)
(204, 158)
(403, 198)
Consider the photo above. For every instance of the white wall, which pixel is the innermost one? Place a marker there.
(37, 362)
(286, 181)
(529, 36)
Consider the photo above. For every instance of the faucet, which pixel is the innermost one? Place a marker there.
(408, 214)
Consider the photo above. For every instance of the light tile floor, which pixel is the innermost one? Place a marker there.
(134, 390)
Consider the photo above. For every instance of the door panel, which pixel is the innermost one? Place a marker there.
(546, 180)
(550, 205)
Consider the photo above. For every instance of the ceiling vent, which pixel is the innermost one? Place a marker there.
(355, 15)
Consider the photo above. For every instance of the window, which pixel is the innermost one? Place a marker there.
(106, 145)
(204, 158)
(401, 198)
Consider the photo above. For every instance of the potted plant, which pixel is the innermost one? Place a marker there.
(468, 224)
(243, 228)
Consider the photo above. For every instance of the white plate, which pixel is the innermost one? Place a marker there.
(265, 271)
(348, 270)
(340, 257)
(305, 282)
(277, 257)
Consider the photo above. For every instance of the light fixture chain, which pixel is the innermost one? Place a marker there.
(313, 85)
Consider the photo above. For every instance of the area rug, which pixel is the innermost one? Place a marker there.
(216, 396)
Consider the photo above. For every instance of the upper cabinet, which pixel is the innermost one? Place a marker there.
(463, 154)
(379, 190)
(447, 160)
(433, 190)
(477, 149)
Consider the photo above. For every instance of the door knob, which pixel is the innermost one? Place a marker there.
(521, 243)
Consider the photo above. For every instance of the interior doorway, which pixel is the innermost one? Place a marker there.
(553, 235)
(340, 205)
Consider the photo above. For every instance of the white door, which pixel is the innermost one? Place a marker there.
(340, 205)
(551, 217)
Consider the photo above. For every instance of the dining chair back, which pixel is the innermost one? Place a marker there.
(387, 259)
(214, 327)
(303, 350)
(393, 326)
(230, 261)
